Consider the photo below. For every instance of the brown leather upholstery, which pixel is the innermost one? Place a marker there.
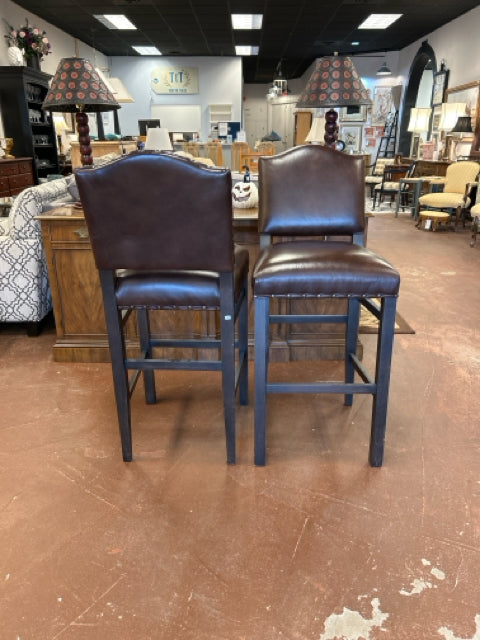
(162, 236)
(323, 269)
(181, 228)
(317, 192)
(177, 289)
(315, 202)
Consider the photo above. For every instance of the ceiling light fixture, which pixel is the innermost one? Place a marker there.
(380, 20)
(279, 86)
(115, 21)
(147, 51)
(384, 70)
(246, 50)
(247, 20)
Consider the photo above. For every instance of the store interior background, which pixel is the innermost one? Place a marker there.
(220, 79)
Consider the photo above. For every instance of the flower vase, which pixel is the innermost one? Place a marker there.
(14, 57)
(33, 62)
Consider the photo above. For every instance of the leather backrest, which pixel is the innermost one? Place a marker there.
(311, 190)
(156, 210)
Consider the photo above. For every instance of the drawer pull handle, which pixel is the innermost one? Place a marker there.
(82, 232)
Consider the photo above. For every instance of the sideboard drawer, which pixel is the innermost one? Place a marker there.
(20, 182)
(18, 174)
(25, 166)
(8, 168)
(74, 231)
(4, 186)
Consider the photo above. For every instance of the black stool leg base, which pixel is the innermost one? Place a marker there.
(262, 340)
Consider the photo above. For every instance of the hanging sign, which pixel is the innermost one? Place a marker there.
(174, 80)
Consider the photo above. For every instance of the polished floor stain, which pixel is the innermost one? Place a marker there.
(317, 545)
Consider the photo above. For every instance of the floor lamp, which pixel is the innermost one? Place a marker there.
(121, 94)
(334, 83)
(77, 88)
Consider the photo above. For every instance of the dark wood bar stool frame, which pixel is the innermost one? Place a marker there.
(157, 246)
(327, 200)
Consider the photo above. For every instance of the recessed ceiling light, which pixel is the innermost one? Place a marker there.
(114, 21)
(244, 50)
(147, 51)
(247, 20)
(355, 44)
(380, 20)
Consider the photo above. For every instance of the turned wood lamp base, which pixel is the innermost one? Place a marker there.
(83, 130)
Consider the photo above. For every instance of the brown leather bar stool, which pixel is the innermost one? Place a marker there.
(310, 191)
(158, 247)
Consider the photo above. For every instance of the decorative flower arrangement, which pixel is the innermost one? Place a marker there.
(30, 40)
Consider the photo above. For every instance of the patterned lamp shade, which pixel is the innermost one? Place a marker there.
(334, 83)
(76, 86)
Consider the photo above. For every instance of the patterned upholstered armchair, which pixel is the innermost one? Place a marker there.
(24, 290)
(455, 196)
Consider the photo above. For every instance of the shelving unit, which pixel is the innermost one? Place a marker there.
(22, 91)
(218, 113)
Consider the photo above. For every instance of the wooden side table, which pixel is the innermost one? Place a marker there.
(78, 305)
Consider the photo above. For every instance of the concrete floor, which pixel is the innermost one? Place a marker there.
(317, 545)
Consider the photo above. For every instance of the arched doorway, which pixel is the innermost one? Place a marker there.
(424, 56)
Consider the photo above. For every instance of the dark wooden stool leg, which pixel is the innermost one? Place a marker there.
(227, 313)
(146, 348)
(262, 342)
(386, 332)
(351, 343)
(243, 347)
(117, 355)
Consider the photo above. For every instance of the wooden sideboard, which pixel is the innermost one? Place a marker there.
(78, 305)
(16, 174)
(431, 168)
(101, 148)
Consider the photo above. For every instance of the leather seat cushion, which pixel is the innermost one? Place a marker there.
(323, 269)
(176, 289)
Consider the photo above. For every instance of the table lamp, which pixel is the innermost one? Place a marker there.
(464, 125)
(60, 128)
(121, 94)
(317, 130)
(334, 83)
(450, 113)
(76, 87)
(419, 121)
(158, 139)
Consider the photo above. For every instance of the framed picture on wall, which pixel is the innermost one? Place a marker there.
(415, 144)
(382, 104)
(357, 113)
(440, 82)
(470, 95)
(437, 113)
(351, 134)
